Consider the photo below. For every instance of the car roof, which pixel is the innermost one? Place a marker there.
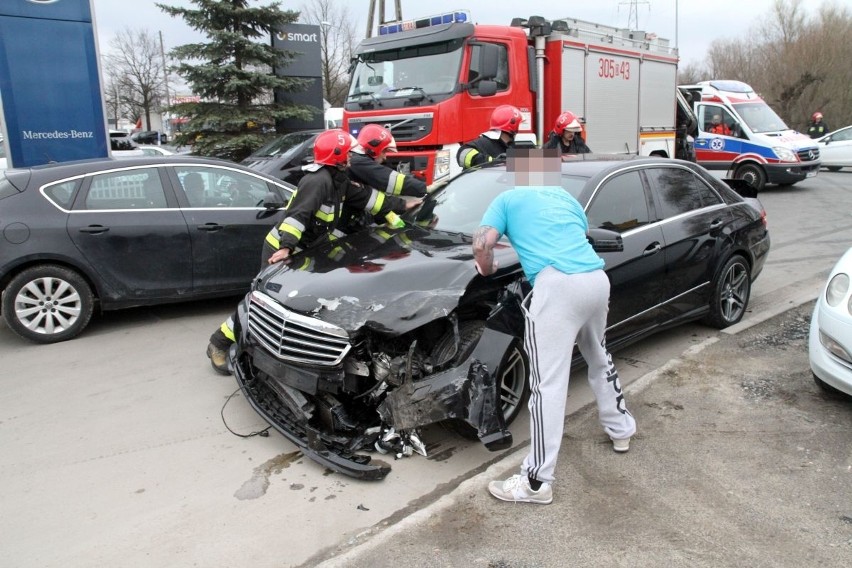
(590, 165)
(48, 172)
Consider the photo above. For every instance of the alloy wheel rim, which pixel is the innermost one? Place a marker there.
(48, 305)
(734, 290)
(512, 382)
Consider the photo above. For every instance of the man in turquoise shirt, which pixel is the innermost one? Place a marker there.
(568, 304)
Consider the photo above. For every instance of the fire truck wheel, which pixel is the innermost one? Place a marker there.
(753, 174)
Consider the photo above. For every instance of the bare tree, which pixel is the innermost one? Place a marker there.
(798, 64)
(337, 43)
(691, 73)
(134, 60)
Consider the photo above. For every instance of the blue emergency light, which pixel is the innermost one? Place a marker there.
(459, 16)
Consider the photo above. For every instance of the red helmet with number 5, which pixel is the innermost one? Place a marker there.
(375, 139)
(506, 118)
(567, 120)
(331, 147)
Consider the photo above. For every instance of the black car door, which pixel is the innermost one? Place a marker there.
(695, 224)
(228, 223)
(637, 274)
(127, 225)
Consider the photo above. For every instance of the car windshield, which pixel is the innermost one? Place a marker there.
(760, 117)
(283, 146)
(415, 71)
(460, 206)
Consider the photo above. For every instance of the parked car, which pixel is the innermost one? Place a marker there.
(157, 150)
(150, 137)
(108, 234)
(830, 338)
(356, 343)
(122, 146)
(835, 149)
(285, 156)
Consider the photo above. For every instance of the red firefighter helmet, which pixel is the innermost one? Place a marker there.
(817, 116)
(331, 147)
(567, 120)
(506, 118)
(375, 139)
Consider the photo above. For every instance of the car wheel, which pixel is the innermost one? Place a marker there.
(833, 168)
(752, 174)
(513, 373)
(47, 304)
(731, 292)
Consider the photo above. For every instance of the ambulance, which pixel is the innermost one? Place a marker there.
(740, 133)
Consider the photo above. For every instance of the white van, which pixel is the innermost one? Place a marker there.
(740, 133)
(333, 117)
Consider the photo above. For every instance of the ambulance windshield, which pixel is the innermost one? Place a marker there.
(760, 118)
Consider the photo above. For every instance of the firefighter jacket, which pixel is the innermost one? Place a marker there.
(817, 129)
(367, 171)
(482, 150)
(577, 145)
(315, 210)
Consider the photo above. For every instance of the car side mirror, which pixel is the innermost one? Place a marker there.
(273, 201)
(604, 240)
(827, 140)
(486, 88)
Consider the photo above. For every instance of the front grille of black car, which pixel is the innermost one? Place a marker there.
(294, 337)
(809, 155)
(405, 128)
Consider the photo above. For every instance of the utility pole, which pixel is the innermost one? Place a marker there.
(371, 15)
(633, 14)
(166, 84)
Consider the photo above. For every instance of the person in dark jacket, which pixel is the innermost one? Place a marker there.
(367, 164)
(565, 135)
(817, 128)
(494, 143)
(313, 215)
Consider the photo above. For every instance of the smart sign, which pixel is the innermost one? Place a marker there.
(49, 82)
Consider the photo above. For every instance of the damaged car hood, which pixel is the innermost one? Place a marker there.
(390, 281)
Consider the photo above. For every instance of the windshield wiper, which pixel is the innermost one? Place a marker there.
(423, 94)
(364, 103)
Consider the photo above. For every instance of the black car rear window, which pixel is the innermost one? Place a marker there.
(62, 193)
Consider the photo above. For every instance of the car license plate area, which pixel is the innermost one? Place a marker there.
(302, 380)
(811, 174)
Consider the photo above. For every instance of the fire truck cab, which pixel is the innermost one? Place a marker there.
(435, 81)
(739, 132)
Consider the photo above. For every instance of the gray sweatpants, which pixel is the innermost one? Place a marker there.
(565, 308)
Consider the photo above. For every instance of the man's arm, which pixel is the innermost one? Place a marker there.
(484, 240)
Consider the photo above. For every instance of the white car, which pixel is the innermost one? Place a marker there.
(830, 341)
(835, 149)
(153, 150)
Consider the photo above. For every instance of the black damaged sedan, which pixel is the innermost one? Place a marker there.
(355, 344)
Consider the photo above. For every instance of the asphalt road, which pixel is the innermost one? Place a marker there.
(115, 451)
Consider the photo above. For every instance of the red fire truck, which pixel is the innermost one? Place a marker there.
(434, 82)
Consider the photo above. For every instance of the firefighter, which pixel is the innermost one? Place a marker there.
(312, 216)
(817, 128)
(565, 135)
(492, 144)
(366, 164)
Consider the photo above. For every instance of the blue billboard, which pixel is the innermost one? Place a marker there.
(49, 82)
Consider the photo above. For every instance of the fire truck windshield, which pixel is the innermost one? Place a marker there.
(411, 73)
(760, 117)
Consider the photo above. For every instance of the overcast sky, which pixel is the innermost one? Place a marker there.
(698, 22)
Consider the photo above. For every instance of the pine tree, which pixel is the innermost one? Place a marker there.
(232, 75)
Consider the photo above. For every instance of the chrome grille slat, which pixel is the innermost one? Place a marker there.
(805, 157)
(294, 337)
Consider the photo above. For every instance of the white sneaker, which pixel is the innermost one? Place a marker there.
(620, 446)
(517, 489)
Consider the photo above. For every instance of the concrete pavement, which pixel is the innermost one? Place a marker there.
(733, 465)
